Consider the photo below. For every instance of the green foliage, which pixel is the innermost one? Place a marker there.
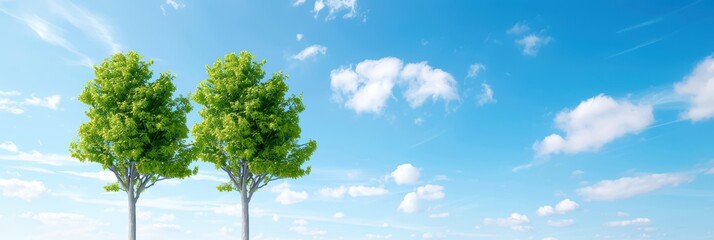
(136, 127)
(250, 121)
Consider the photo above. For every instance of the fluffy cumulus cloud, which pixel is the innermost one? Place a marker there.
(25, 190)
(299, 36)
(545, 210)
(627, 187)
(532, 43)
(338, 215)
(430, 192)
(594, 123)
(698, 87)
(561, 223)
(367, 87)
(287, 196)
(310, 52)
(8, 146)
(411, 201)
(405, 174)
(334, 7)
(337, 192)
(516, 221)
(625, 223)
(424, 82)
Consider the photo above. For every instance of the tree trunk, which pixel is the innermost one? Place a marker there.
(244, 207)
(132, 214)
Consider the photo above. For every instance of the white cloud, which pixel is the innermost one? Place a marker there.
(8, 146)
(622, 214)
(561, 223)
(335, 6)
(10, 106)
(427, 235)
(337, 192)
(367, 88)
(57, 218)
(298, 2)
(594, 123)
(532, 43)
(208, 176)
(301, 228)
(287, 196)
(410, 203)
(165, 218)
(10, 93)
(176, 5)
(545, 210)
(378, 236)
(230, 210)
(25, 190)
(627, 187)
(698, 87)
(276, 217)
(516, 221)
(310, 51)
(89, 23)
(363, 191)
(430, 192)
(577, 173)
(338, 215)
(549, 238)
(439, 215)
(419, 121)
(299, 36)
(405, 174)
(518, 29)
(486, 95)
(51, 102)
(475, 69)
(225, 231)
(105, 176)
(711, 171)
(565, 206)
(625, 223)
(424, 82)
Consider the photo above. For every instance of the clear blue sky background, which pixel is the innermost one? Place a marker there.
(434, 119)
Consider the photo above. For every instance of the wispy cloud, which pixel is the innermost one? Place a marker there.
(642, 24)
(310, 51)
(645, 44)
(656, 19)
(56, 25)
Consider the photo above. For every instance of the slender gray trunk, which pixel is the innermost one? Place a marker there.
(244, 207)
(132, 213)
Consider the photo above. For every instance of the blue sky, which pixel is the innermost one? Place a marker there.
(458, 120)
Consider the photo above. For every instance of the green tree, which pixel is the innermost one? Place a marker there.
(136, 128)
(250, 129)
